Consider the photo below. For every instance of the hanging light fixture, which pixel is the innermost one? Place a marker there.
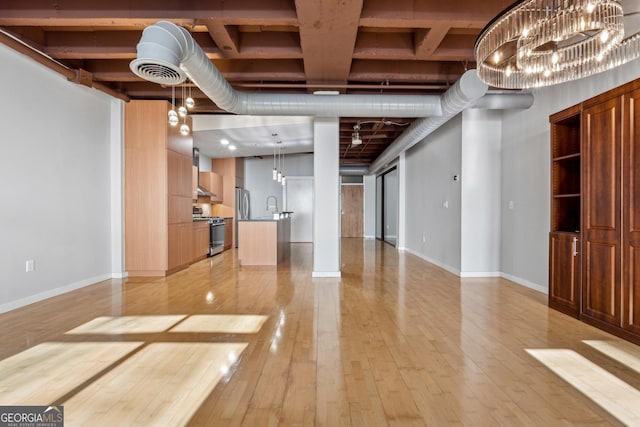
(279, 176)
(544, 42)
(283, 181)
(173, 116)
(189, 102)
(275, 169)
(182, 110)
(355, 136)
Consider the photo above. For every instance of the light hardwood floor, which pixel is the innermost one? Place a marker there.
(396, 341)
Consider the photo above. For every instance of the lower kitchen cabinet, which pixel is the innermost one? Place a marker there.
(228, 233)
(200, 240)
(179, 250)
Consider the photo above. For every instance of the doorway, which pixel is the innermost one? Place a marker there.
(387, 203)
(351, 209)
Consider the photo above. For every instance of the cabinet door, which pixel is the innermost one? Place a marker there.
(228, 233)
(179, 251)
(601, 296)
(216, 187)
(631, 212)
(564, 272)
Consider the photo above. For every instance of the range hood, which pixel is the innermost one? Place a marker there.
(205, 193)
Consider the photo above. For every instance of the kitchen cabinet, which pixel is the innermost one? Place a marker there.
(157, 191)
(194, 183)
(200, 240)
(212, 182)
(228, 233)
(600, 209)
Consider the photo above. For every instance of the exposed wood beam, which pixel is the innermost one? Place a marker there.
(225, 36)
(427, 40)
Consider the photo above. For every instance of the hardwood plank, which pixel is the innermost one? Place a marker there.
(394, 341)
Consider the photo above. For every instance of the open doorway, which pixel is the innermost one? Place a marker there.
(387, 203)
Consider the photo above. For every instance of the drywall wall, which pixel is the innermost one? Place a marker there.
(369, 206)
(55, 166)
(432, 214)
(526, 174)
(480, 179)
(258, 179)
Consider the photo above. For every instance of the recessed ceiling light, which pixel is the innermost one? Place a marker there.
(224, 141)
(232, 147)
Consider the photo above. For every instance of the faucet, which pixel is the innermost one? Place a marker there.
(274, 206)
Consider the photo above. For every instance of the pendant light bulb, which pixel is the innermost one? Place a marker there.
(182, 111)
(283, 180)
(173, 118)
(190, 103)
(275, 174)
(279, 177)
(184, 129)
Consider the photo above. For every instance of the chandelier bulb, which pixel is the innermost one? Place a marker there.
(190, 103)
(182, 111)
(590, 7)
(555, 58)
(173, 118)
(184, 129)
(496, 57)
(604, 36)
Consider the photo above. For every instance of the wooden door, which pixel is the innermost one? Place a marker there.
(564, 272)
(601, 295)
(352, 204)
(631, 212)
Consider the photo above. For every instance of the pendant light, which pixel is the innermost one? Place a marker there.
(173, 116)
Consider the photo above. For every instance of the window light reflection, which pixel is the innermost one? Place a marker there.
(612, 394)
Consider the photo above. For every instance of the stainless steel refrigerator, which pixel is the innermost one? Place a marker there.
(242, 207)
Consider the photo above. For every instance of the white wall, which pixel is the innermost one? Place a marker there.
(480, 179)
(525, 173)
(369, 206)
(55, 168)
(257, 179)
(429, 167)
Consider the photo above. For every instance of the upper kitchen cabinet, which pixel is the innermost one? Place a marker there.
(212, 182)
(158, 191)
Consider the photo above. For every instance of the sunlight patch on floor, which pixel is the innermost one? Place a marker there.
(624, 352)
(222, 323)
(612, 394)
(128, 324)
(48, 371)
(162, 384)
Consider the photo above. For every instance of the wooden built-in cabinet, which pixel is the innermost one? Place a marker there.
(228, 233)
(564, 239)
(158, 191)
(212, 182)
(200, 240)
(596, 201)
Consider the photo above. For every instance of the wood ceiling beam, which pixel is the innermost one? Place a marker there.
(427, 41)
(328, 31)
(406, 71)
(226, 37)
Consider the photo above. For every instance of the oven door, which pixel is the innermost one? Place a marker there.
(216, 238)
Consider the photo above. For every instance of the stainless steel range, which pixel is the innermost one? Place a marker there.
(216, 235)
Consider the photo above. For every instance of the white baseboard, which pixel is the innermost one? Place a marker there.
(52, 293)
(122, 275)
(369, 237)
(481, 274)
(450, 269)
(326, 274)
(526, 283)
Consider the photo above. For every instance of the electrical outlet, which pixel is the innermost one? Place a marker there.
(30, 265)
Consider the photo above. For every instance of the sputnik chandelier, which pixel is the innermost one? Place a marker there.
(544, 42)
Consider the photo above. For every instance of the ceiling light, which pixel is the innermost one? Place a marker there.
(545, 42)
(184, 129)
(173, 118)
(189, 102)
(224, 141)
(232, 147)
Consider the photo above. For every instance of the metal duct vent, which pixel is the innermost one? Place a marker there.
(153, 71)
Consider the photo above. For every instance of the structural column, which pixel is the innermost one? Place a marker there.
(326, 183)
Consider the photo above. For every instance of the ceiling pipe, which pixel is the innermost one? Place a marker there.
(354, 170)
(167, 54)
(463, 94)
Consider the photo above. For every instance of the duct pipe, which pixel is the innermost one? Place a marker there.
(354, 170)
(463, 94)
(167, 54)
(504, 100)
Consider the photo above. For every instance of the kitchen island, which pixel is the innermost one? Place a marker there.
(264, 241)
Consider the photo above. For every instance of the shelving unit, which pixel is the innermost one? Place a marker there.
(564, 239)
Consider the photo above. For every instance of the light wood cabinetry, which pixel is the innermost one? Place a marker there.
(212, 182)
(608, 213)
(158, 191)
(264, 242)
(200, 240)
(228, 233)
(232, 171)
